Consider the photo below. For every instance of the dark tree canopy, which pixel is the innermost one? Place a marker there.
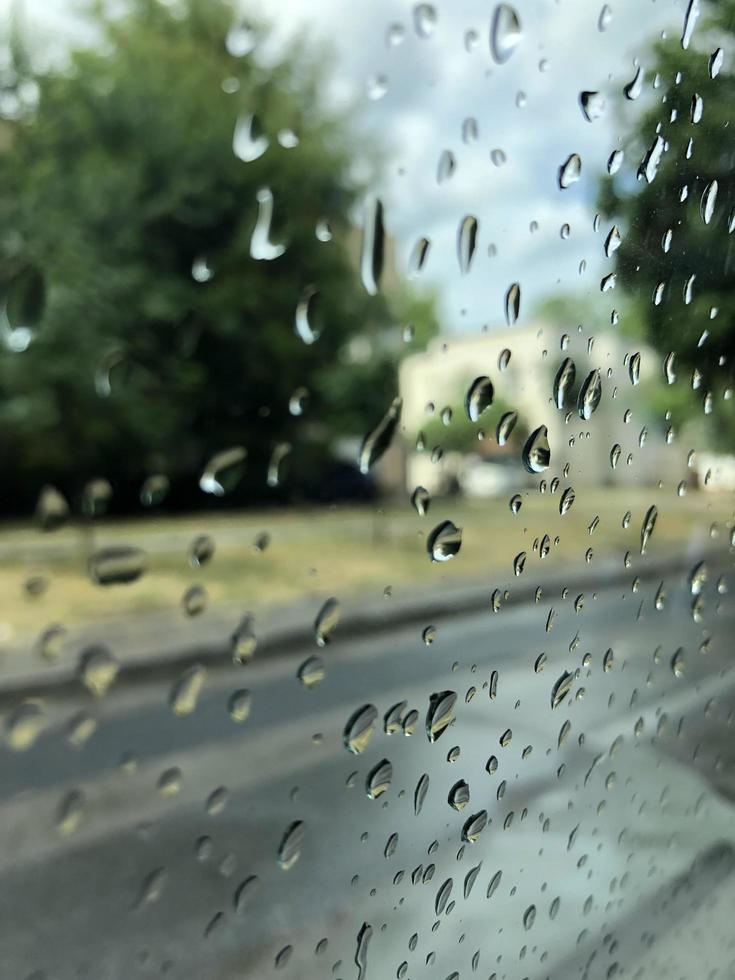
(118, 180)
(677, 258)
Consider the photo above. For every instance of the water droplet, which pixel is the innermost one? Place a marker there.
(440, 714)
(566, 500)
(459, 795)
(261, 247)
(529, 917)
(634, 88)
(466, 242)
(422, 788)
(419, 256)
(512, 303)
(603, 21)
(424, 19)
(239, 705)
(570, 171)
(223, 471)
(592, 105)
(715, 62)
(248, 140)
(519, 563)
(326, 622)
(201, 551)
(379, 779)
(505, 32)
(243, 641)
(373, 246)
(154, 490)
(506, 424)
(289, 850)
(194, 600)
(515, 503)
(650, 163)
(444, 541)
(613, 241)
(634, 368)
(561, 689)
(590, 394)
(615, 161)
(709, 199)
(23, 726)
(376, 442)
(360, 729)
(678, 663)
(118, 565)
(536, 452)
(275, 465)
(376, 87)
(186, 690)
(474, 826)
(446, 166)
(478, 398)
(240, 39)
(497, 156)
(305, 317)
(563, 381)
(690, 20)
(698, 578)
(649, 523)
(420, 501)
(70, 812)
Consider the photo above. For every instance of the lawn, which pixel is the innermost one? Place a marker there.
(331, 551)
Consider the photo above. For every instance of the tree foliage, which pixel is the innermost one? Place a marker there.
(681, 268)
(118, 176)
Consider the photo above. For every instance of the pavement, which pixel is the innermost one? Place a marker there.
(609, 847)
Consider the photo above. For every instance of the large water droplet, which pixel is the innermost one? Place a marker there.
(420, 501)
(418, 257)
(444, 541)
(592, 105)
(474, 826)
(536, 454)
(650, 163)
(373, 246)
(668, 368)
(379, 779)
(459, 795)
(561, 689)
(326, 622)
(566, 500)
(289, 850)
(570, 171)
(223, 471)
(563, 381)
(186, 690)
(248, 140)
(690, 20)
(440, 714)
(117, 565)
(261, 247)
(634, 368)
(479, 397)
(613, 241)
(709, 199)
(513, 303)
(422, 788)
(305, 316)
(505, 32)
(634, 88)
(649, 523)
(360, 729)
(376, 442)
(506, 424)
(466, 242)
(590, 394)
(424, 19)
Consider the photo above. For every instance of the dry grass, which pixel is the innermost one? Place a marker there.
(340, 551)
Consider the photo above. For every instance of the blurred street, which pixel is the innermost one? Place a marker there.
(595, 828)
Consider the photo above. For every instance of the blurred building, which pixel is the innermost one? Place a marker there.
(441, 375)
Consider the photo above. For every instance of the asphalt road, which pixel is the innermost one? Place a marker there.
(611, 845)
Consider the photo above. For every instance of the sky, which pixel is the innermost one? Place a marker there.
(430, 84)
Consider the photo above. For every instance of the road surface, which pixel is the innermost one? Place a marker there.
(610, 837)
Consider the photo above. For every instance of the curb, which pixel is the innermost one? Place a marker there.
(372, 619)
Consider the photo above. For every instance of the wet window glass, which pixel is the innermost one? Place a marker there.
(367, 502)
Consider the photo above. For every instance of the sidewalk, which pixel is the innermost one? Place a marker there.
(163, 643)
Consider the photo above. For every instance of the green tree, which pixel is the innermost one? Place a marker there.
(676, 257)
(158, 340)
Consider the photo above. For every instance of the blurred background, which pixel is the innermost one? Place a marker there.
(323, 320)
